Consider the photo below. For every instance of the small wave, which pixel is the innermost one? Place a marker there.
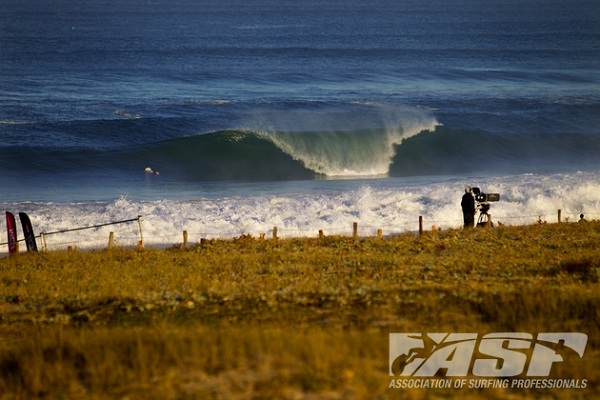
(216, 102)
(5, 122)
(127, 114)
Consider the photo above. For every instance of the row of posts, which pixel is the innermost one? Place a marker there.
(111, 236)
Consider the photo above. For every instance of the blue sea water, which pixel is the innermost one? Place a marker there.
(303, 115)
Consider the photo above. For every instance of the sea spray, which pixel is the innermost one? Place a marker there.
(357, 140)
(302, 208)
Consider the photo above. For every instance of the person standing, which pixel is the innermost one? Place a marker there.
(468, 208)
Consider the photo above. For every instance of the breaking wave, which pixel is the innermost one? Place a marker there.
(365, 140)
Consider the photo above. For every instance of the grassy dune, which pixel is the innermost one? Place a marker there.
(294, 318)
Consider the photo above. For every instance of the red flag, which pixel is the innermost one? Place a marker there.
(11, 226)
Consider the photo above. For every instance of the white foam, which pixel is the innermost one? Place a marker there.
(337, 144)
(393, 205)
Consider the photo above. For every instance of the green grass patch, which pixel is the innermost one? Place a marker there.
(288, 318)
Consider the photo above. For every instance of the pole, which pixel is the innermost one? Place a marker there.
(139, 218)
(111, 239)
(45, 245)
(141, 243)
(420, 225)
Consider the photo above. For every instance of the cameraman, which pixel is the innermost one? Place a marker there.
(468, 208)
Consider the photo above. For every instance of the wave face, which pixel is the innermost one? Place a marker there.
(409, 143)
(447, 151)
(222, 155)
(348, 144)
(400, 152)
(285, 143)
(415, 149)
(304, 143)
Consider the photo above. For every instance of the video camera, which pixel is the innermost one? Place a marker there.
(481, 197)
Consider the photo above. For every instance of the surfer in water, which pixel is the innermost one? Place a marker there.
(149, 170)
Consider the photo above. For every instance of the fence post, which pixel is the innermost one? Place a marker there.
(111, 239)
(379, 233)
(355, 230)
(420, 225)
(185, 239)
(141, 233)
(321, 234)
(141, 242)
(274, 232)
(559, 217)
(44, 244)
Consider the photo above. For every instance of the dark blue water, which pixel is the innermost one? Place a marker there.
(226, 97)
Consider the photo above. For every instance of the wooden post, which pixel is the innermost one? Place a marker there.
(433, 230)
(44, 244)
(559, 217)
(355, 230)
(420, 225)
(274, 232)
(141, 242)
(379, 233)
(321, 234)
(185, 239)
(111, 239)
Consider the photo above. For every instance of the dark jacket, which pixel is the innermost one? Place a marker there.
(468, 203)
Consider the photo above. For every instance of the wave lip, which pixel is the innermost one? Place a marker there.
(361, 143)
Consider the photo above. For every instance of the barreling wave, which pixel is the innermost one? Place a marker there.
(281, 155)
(301, 142)
(351, 152)
(260, 155)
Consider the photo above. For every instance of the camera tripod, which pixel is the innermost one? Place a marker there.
(485, 219)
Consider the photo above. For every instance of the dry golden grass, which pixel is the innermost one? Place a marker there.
(295, 318)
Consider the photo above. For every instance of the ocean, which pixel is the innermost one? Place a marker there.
(304, 116)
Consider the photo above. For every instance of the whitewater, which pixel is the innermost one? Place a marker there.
(302, 208)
